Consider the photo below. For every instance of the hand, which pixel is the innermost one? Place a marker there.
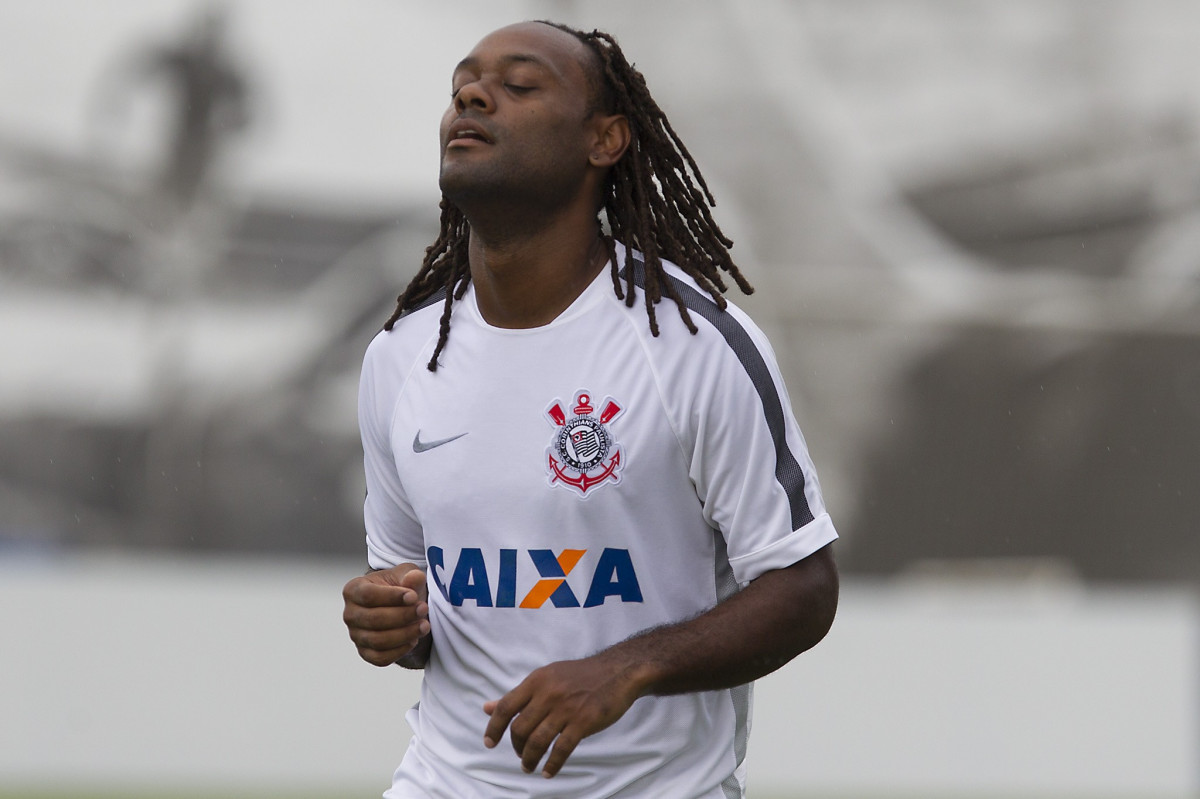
(561, 704)
(387, 613)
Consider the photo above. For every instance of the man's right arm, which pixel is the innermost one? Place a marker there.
(387, 615)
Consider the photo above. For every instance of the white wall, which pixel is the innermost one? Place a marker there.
(218, 673)
(991, 691)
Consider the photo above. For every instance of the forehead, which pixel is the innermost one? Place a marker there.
(530, 42)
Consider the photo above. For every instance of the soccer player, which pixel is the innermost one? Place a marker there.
(593, 525)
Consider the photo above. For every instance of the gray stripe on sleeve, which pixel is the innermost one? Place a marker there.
(788, 471)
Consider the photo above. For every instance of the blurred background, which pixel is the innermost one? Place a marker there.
(975, 232)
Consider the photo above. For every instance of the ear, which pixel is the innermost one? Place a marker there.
(611, 140)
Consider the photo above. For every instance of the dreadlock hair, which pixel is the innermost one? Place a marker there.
(655, 201)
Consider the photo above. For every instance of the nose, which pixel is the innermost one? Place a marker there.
(473, 95)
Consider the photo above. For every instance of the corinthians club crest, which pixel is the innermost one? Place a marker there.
(583, 454)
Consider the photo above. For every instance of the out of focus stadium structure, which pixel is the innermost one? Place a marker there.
(990, 324)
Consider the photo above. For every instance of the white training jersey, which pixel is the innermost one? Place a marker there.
(566, 487)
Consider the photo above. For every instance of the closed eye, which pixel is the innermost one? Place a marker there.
(512, 87)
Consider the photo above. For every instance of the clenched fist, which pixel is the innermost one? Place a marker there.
(387, 613)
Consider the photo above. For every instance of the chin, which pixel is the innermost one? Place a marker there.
(466, 186)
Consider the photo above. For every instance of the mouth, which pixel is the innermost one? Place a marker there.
(466, 133)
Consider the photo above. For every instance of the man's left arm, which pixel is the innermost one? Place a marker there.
(776, 617)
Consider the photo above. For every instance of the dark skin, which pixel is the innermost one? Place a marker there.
(525, 158)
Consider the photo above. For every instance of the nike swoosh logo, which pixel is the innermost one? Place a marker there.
(425, 446)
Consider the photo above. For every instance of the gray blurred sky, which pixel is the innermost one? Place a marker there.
(350, 91)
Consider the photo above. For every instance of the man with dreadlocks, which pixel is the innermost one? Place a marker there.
(615, 514)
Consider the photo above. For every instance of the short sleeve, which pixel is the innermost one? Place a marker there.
(393, 533)
(750, 463)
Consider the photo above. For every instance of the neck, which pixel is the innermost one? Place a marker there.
(526, 279)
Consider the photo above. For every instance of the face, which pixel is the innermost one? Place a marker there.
(517, 129)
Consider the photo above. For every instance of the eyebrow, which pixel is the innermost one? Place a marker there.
(470, 62)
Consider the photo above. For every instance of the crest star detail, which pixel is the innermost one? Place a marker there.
(583, 453)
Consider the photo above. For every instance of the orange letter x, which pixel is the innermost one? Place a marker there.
(545, 587)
